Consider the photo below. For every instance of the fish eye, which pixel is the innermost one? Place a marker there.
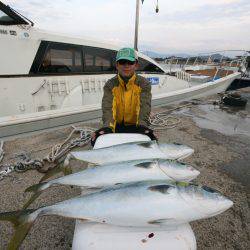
(182, 163)
(194, 184)
(176, 143)
(208, 189)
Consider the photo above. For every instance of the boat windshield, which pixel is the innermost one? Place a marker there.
(4, 18)
(9, 17)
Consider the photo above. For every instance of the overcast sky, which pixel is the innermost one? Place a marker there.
(180, 26)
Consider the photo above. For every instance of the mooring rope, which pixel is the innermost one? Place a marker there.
(58, 151)
(163, 120)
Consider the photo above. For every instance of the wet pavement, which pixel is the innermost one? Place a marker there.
(229, 126)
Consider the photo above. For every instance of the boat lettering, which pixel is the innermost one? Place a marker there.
(4, 32)
(13, 32)
(153, 80)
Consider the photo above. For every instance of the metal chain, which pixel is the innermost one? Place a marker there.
(60, 150)
(57, 152)
(6, 171)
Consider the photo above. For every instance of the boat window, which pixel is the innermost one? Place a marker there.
(146, 66)
(62, 59)
(98, 60)
(5, 18)
(8, 16)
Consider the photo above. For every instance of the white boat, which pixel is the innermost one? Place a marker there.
(50, 80)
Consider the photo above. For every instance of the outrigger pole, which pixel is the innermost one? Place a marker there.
(137, 21)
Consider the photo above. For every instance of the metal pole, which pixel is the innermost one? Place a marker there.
(136, 24)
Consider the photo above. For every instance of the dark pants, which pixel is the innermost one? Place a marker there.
(121, 128)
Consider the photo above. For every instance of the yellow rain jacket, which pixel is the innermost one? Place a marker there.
(129, 103)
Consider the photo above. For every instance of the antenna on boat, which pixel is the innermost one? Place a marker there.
(157, 7)
(137, 21)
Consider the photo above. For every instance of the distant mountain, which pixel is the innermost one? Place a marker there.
(215, 57)
(153, 54)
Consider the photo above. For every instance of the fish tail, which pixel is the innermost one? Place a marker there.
(61, 168)
(37, 189)
(22, 221)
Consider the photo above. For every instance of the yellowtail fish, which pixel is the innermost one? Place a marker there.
(140, 204)
(132, 151)
(124, 172)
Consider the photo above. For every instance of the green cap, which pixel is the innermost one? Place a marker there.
(126, 54)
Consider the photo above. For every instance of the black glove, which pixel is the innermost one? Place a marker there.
(105, 130)
(146, 131)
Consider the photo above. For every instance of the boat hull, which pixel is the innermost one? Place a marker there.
(163, 95)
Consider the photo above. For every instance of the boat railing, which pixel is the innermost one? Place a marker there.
(216, 74)
(228, 59)
(182, 75)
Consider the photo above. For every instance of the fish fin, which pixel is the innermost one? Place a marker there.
(160, 188)
(36, 188)
(146, 144)
(51, 173)
(144, 165)
(162, 221)
(22, 225)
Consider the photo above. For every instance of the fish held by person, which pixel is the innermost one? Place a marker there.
(163, 204)
(123, 153)
(132, 151)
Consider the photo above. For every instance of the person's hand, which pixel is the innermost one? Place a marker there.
(97, 133)
(147, 131)
(93, 135)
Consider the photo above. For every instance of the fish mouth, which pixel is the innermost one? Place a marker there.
(225, 206)
(186, 154)
(208, 206)
(185, 175)
(194, 172)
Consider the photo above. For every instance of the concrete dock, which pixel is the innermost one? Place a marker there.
(222, 157)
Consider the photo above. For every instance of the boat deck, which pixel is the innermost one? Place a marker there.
(211, 72)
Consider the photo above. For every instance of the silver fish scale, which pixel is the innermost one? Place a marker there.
(121, 153)
(116, 205)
